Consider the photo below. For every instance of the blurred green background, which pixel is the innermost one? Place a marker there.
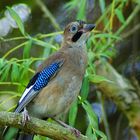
(108, 106)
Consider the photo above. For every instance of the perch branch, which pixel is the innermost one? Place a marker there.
(37, 126)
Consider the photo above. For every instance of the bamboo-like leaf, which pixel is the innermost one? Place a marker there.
(107, 35)
(71, 5)
(2, 63)
(27, 49)
(89, 133)
(82, 10)
(5, 72)
(17, 19)
(44, 44)
(85, 88)
(73, 113)
(15, 72)
(97, 78)
(8, 99)
(10, 93)
(91, 115)
(101, 134)
(24, 69)
(102, 5)
(120, 15)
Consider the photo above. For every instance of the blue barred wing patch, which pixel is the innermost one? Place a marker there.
(39, 81)
(45, 75)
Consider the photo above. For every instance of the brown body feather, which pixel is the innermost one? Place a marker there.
(57, 96)
(62, 90)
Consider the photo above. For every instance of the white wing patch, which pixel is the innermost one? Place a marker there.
(25, 93)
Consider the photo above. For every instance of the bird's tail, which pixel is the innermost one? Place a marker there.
(22, 136)
(16, 134)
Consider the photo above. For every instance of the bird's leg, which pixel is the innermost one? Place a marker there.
(25, 116)
(73, 130)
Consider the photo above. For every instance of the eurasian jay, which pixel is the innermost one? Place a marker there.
(58, 80)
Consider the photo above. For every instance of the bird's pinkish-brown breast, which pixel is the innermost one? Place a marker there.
(64, 88)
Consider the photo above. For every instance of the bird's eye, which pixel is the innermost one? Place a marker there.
(73, 29)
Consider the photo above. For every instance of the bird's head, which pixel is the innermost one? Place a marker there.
(76, 33)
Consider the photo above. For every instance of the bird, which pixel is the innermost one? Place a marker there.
(58, 80)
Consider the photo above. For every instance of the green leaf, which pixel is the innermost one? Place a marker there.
(93, 120)
(17, 19)
(24, 69)
(71, 5)
(85, 88)
(120, 15)
(38, 137)
(101, 134)
(15, 72)
(2, 63)
(44, 44)
(5, 72)
(102, 5)
(73, 113)
(82, 10)
(27, 48)
(91, 56)
(106, 35)
(90, 134)
(97, 78)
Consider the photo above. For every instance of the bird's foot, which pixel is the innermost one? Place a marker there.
(73, 130)
(25, 116)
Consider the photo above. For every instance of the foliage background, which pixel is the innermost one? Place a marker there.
(115, 41)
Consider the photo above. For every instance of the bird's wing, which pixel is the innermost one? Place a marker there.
(38, 82)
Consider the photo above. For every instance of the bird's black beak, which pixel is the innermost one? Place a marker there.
(88, 27)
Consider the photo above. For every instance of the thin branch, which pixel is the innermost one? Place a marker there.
(15, 48)
(48, 14)
(37, 126)
(132, 31)
(104, 116)
(129, 20)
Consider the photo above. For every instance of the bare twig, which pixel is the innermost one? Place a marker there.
(48, 14)
(132, 31)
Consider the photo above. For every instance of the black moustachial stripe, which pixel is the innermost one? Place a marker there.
(77, 36)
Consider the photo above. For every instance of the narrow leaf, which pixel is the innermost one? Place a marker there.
(17, 19)
(90, 134)
(85, 88)
(5, 72)
(102, 5)
(82, 10)
(44, 44)
(97, 78)
(27, 48)
(91, 115)
(101, 134)
(120, 15)
(15, 72)
(105, 35)
(73, 113)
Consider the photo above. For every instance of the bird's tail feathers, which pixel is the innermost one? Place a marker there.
(23, 136)
(9, 133)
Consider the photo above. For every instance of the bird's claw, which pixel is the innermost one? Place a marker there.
(25, 117)
(75, 132)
